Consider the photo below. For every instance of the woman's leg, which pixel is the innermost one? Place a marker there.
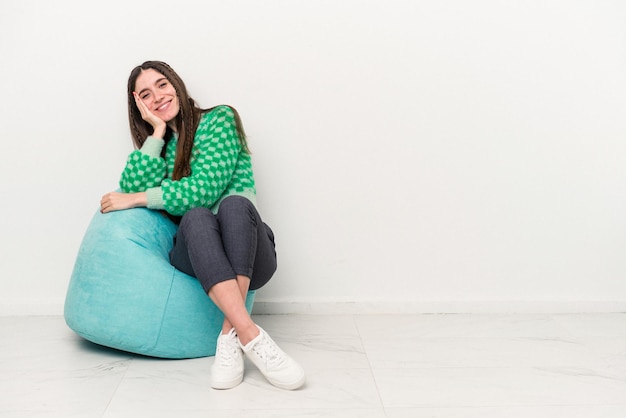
(248, 241)
(243, 283)
(200, 250)
(227, 295)
(249, 246)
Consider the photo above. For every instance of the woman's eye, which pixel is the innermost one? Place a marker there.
(162, 84)
(145, 96)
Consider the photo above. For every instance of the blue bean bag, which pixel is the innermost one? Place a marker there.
(125, 294)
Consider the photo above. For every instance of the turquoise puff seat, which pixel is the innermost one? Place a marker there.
(125, 294)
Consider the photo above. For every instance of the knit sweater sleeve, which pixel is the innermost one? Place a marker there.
(145, 168)
(213, 163)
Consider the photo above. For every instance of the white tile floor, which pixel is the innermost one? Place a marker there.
(370, 366)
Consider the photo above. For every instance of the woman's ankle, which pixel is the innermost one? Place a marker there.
(248, 334)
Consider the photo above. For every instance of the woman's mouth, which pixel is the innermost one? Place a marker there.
(163, 107)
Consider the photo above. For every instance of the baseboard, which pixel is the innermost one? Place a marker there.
(273, 307)
(268, 307)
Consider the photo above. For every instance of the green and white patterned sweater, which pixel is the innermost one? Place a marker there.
(219, 168)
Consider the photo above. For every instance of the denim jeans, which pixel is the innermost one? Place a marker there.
(215, 248)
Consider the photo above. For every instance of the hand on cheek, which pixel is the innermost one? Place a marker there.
(156, 122)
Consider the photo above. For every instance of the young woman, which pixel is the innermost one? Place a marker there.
(194, 164)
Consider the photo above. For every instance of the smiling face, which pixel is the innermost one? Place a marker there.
(158, 94)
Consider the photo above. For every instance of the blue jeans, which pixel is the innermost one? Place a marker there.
(215, 248)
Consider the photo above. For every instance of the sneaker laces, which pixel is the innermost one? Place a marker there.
(227, 349)
(267, 350)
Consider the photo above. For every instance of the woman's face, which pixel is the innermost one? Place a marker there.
(158, 94)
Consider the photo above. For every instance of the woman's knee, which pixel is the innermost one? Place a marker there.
(196, 216)
(235, 202)
(236, 207)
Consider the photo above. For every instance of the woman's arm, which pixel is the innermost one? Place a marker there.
(120, 201)
(214, 160)
(145, 168)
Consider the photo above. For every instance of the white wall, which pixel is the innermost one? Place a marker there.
(410, 155)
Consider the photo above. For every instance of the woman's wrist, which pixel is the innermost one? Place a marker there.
(159, 131)
(140, 200)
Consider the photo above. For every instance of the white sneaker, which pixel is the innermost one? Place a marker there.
(277, 367)
(227, 369)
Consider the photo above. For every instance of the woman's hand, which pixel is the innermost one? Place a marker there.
(157, 123)
(119, 201)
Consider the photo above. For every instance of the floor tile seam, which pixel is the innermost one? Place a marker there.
(117, 387)
(371, 370)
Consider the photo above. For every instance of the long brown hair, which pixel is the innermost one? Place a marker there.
(186, 121)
